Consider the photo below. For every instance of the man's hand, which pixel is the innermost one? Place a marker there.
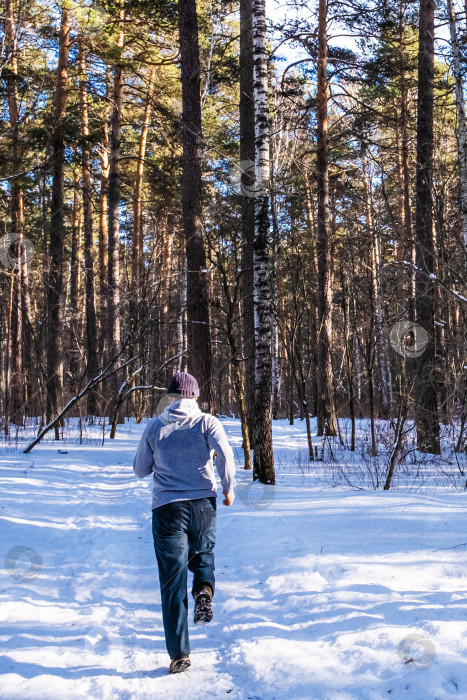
(229, 498)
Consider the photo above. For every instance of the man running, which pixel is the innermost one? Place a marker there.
(176, 447)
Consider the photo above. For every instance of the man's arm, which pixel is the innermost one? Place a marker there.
(143, 461)
(225, 463)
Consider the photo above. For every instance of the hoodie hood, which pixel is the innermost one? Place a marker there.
(183, 410)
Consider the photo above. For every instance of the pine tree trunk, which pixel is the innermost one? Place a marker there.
(90, 305)
(57, 230)
(28, 360)
(198, 316)
(113, 265)
(16, 391)
(75, 270)
(103, 230)
(137, 301)
(404, 119)
(326, 410)
(263, 461)
(460, 105)
(8, 355)
(426, 407)
(247, 155)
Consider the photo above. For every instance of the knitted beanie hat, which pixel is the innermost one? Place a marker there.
(184, 384)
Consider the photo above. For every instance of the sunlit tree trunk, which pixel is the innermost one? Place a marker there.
(103, 229)
(113, 264)
(326, 410)
(75, 276)
(137, 298)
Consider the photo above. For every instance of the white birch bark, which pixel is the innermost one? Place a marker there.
(263, 464)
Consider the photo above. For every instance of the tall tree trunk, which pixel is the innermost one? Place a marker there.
(137, 256)
(113, 265)
(263, 460)
(198, 311)
(247, 155)
(310, 218)
(426, 406)
(376, 294)
(137, 248)
(28, 360)
(404, 118)
(182, 339)
(57, 229)
(326, 409)
(166, 284)
(16, 392)
(75, 270)
(103, 228)
(460, 105)
(348, 349)
(275, 346)
(91, 323)
(8, 355)
(237, 378)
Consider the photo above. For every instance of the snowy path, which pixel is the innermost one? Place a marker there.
(316, 591)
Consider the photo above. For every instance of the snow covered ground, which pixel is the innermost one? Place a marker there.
(322, 592)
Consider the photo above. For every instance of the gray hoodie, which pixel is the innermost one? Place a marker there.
(176, 446)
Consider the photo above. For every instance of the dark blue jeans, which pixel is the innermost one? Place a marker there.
(184, 536)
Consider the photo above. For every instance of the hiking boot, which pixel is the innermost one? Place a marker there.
(203, 605)
(179, 665)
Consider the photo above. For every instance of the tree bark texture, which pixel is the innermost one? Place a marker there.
(263, 460)
(326, 410)
(198, 312)
(426, 406)
(247, 154)
(57, 230)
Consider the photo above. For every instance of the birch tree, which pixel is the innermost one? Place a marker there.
(326, 410)
(263, 460)
(247, 155)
